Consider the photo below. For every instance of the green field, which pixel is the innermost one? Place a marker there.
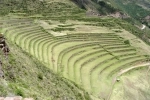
(89, 57)
(91, 60)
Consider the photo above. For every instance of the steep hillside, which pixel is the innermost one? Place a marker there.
(98, 7)
(23, 75)
(136, 9)
(81, 51)
(39, 8)
(135, 12)
(59, 53)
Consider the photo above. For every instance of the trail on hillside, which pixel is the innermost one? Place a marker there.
(124, 71)
(143, 27)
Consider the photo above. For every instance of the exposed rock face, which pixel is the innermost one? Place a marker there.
(3, 45)
(147, 17)
(119, 15)
(115, 15)
(4, 48)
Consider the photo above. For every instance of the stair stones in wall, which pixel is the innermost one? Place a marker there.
(1, 72)
(4, 48)
(3, 45)
(15, 98)
(2, 98)
(28, 99)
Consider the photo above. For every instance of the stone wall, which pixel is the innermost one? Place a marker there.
(15, 98)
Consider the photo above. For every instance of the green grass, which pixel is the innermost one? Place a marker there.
(87, 59)
(90, 60)
(39, 43)
(133, 9)
(90, 63)
(97, 68)
(80, 58)
(58, 29)
(29, 78)
(141, 59)
(85, 80)
(68, 55)
(101, 75)
(122, 62)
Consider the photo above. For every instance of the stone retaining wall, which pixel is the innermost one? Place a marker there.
(15, 98)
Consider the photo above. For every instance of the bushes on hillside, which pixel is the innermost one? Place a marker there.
(127, 42)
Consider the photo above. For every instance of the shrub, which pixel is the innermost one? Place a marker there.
(118, 31)
(19, 92)
(3, 91)
(127, 42)
(62, 29)
(40, 76)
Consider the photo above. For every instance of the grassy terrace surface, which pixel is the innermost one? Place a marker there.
(91, 60)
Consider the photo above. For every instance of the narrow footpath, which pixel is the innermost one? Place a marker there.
(124, 71)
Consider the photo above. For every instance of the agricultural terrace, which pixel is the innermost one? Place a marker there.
(89, 54)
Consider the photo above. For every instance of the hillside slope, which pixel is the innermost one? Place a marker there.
(98, 7)
(138, 10)
(135, 8)
(40, 7)
(61, 53)
(23, 75)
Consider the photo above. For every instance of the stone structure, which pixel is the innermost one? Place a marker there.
(15, 98)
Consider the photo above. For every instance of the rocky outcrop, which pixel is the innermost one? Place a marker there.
(3, 45)
(147, 17)
(119, 15)
(5, 50)
(147, 20)
(115, 14)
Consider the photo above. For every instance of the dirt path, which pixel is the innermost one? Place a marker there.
(143, 27)
(124, 71)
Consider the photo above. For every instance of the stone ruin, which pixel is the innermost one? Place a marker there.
(5, 50)
(3, 45)
(15, 98)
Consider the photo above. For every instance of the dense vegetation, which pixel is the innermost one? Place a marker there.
(21, 6)
(102, 7)
(32, 7)
(105, 8)
(133, 9)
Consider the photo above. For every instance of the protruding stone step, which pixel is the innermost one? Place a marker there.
(2, 98)
(15, 98)
(9, 98)
(28, 99)
(18, 98)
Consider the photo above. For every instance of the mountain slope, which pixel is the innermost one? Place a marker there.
(23, 75)
(136, 9)
(39, 7)
(99, 7)
(63, 54)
